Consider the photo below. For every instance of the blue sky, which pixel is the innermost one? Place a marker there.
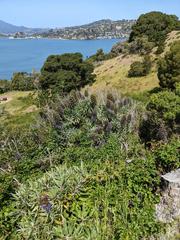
(60, 13)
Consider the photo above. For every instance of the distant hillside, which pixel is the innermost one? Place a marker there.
(6, 28)
(105, 28)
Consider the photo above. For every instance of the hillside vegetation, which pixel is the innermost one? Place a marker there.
(88, 162)
(113, 73)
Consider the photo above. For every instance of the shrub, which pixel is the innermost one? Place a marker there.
(139, 69)
(167, 106)
(23, 81)
(5, 86)
(162, 118)
(100, 197)
(141, 46)
(167, 156)
(120, 48)
(169, 68)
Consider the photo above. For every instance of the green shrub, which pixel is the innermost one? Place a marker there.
(140, 69)
(101, 197)
(99, 56)
(169, 68)
(167, 106)
(163, 117)
(22, 81)
(167, 156)
(5, 86)
(141, 46)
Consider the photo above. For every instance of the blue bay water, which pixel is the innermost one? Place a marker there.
(25, 55)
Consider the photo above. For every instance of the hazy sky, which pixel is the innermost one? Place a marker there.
(60, 13)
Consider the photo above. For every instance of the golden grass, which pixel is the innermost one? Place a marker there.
(113, 74)
(16, 102)
(172, 37)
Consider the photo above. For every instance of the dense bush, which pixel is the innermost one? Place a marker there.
(155, 26)
(163, 117)
(169, 68)
(100, 56)
(5, 86)
(23, 81)
(140, 45)
(101, 196)
(63, 73)
(120, 48)
(167, 156)
(167, 105)
(139, 69)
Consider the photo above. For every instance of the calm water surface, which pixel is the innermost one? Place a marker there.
(26, 55)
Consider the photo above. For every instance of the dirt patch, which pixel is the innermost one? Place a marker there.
(30, 109)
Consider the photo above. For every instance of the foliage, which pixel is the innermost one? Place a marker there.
(73, 130)
(4, 86)
(139, 69)
(155, 26)
(167, 156)
(141, 45)
(169, 68)
(99, 56)
(120, 48)
(100, 199)
(163, 116)
(166, 104)
(23, 81)
(63, 73)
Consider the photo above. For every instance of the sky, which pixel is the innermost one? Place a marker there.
(62, 13)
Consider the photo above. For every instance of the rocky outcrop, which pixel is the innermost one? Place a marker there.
(168, 209)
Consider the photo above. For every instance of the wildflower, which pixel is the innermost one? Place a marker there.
(45, 203)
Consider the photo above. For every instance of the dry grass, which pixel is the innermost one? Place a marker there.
(113, 74)
(18, 110)
(172, 37)
(16, 102)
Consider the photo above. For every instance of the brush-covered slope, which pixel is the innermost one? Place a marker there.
(114, 72)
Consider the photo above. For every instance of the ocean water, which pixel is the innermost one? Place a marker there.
(25, 55)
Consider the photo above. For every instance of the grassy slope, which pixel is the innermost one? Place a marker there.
(113, 73)
(19, 109)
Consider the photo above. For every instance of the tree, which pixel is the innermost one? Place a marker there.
(169, 68)
(155, 26)
(63, 73)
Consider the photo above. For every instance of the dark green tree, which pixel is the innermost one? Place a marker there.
(63, 73)
(169, 68)
(155, 26)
